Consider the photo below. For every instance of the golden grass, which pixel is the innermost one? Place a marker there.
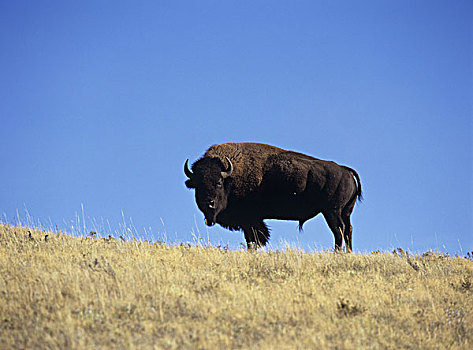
(89, 293)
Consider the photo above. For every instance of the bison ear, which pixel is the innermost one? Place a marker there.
(190, 183)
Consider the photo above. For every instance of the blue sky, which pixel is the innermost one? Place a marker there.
(101, 103)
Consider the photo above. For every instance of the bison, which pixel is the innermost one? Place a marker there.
(238, 185)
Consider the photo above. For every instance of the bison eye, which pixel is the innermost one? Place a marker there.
(219, 185)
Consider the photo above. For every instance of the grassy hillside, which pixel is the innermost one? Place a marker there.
(65, 292)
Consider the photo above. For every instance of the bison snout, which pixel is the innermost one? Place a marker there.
(209, 222)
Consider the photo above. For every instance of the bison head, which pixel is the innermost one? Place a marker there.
(208, 179)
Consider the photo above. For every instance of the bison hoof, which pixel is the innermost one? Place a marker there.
(252, 246)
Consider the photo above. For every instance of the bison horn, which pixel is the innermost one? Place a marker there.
(227, 173)
(187, 171)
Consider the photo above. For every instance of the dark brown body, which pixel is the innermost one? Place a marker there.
(267, 182)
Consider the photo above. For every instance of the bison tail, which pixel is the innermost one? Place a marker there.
(359, 193)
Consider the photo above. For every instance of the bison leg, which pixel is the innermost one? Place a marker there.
(256, 235)
(347, 233)
(335, 222)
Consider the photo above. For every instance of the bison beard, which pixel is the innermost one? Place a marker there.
(238, 185)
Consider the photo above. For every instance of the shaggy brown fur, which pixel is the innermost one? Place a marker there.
(271, 183)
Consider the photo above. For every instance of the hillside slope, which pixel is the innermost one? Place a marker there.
(65, 292)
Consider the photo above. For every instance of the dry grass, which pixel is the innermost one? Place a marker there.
(93, 293)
